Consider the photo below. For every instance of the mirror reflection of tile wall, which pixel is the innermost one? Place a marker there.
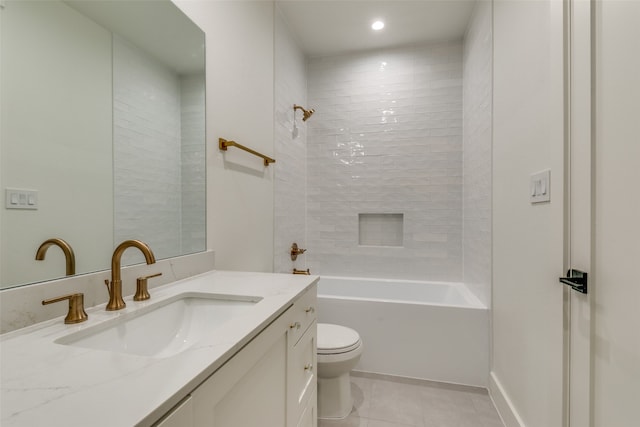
(156, 153)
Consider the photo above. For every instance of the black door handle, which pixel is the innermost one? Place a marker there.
(576, 279)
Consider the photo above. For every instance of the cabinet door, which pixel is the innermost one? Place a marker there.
(309, 417)
(258, 399)
(250, 389)
(180, 416)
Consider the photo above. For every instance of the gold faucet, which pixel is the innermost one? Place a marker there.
(69, 256)
(115, 288)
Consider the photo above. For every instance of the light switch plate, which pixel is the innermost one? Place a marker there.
(540, 187)
(21, 199)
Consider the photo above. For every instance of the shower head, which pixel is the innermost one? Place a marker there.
(305, 113)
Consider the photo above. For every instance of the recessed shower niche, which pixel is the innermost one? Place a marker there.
(380, 229)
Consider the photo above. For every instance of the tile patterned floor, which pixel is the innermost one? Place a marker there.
(382, 401)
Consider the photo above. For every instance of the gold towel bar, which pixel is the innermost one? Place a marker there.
(223, 144)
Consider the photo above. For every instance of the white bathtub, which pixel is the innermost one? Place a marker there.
(430, 330)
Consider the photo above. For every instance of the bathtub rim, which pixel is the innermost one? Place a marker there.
(473, 302)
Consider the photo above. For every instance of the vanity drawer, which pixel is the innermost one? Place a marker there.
(302, 381)
(303, 313)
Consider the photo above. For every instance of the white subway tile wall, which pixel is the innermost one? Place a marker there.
(386, 138)
(192, 131)
(477, 88)
(290, 169)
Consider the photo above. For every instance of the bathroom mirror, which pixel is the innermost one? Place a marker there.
(103, 133)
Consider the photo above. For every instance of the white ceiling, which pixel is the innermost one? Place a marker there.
(329, 27)
(157, 27)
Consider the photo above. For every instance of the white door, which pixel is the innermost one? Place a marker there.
(602, 342)
(616, 285)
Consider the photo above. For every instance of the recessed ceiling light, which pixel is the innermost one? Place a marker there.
(378, 25)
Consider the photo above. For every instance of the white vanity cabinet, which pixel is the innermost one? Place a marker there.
(271, 382)
(181, 415)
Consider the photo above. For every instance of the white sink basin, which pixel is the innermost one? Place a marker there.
(166, 328)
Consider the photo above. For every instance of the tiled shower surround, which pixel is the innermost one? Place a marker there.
(386, 138)
(192, 132)
(477, 153)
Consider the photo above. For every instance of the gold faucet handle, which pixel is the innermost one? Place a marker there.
(76, 313)
(142, 292)
(295, 251)
(306, 272)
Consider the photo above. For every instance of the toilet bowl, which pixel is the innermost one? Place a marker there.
(339, 349)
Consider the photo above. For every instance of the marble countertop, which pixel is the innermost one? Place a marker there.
(44, 383)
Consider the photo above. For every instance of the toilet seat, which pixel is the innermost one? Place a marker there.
(336, 339)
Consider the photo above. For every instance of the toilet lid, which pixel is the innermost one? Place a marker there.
(336, 339)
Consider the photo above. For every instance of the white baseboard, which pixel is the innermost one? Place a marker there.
(503, 404)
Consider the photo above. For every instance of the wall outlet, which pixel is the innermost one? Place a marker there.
(540, 187)
(21, 199)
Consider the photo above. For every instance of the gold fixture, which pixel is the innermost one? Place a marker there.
(295, 271)
(76, 313)
(142, 293)
(295, 251)
(69, 256)
(305, 113)
(223, 144)
(115, 288)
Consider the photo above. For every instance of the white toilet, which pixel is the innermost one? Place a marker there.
(339, 349)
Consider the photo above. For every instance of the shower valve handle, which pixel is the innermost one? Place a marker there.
(295, 251)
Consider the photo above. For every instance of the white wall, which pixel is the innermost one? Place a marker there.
(616, 288)
(290, 191)
(47, 141)
(526, 377)
(476, 199)
(386, 138)
(240, 103)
